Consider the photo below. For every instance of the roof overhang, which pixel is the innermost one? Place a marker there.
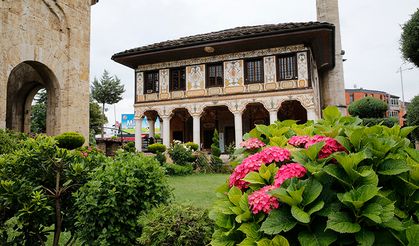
(321, 40)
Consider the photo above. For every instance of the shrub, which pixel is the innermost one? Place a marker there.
(178, 170)
(193, 146)
(9, 140)
(202, 163)
(389, 122)
(110, 202)
(175, 225)
(156, 147)
(70, 140)
(161, 158)
(180, 154)
(368, 107)
(215, 146)
(332, 182)
(129, 147)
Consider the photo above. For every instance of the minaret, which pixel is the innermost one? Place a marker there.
(332, 81)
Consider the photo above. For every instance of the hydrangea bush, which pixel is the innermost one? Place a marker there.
(330, 182)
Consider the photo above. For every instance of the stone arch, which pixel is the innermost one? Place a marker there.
(255, 113)
(23, 82)
(218, 117)
(292, 110)
(181, 125)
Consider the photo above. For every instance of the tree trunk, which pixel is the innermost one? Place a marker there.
(58, 221)
(103, 113)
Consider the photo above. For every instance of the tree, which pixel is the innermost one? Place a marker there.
(107, 90)
(410, 39)
(39, 112)
(97, 118)
(413, 116)
(368, 107)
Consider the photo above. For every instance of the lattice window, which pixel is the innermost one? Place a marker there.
(287, 67)
(215, 75)
(253, 71)
(151, 82)
(178, 79)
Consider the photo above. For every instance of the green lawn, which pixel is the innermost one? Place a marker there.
(199, 190)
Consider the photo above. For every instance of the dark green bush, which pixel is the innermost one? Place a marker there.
(368, 107)
(70, 140)
(178, 170)
(129, 147)
(215, 146)
(180, 154)
(377, 121)
(193, 146)
(175, 225)
(9, 140)
(110, 202)
(161, 158)
(202, 163)
(156, 147)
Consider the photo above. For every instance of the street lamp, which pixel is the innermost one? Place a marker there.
(401, 79)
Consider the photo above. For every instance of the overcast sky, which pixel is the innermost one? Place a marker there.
(370, 35)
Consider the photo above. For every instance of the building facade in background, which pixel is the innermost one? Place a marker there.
(395, 106)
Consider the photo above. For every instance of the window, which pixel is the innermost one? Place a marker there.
(253, 71)
(177, 79)
(215, 75)
(351, 97)
(287, 67)
(151, 82)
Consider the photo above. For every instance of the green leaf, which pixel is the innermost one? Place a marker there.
(359, 196)
(406, 130)
(392, 167)
(278, 141)
(313, 151)
(254, 178)
(349, 162)
(317, 207)
(365, 238)
(316, 239)
(283, 196)
(300, 215)
(338, 174)
(331, 114)
(355, 137)
(341, 222)
(245, 216)
(247, 242)
(279, 240)
(264, 172)
(278, 221)
(244, 204)
(312, 190)
(251, 230)
(373, 211)
(264, 130)
(234, 195)
(344, 142)
(236, 210)
(412, 235)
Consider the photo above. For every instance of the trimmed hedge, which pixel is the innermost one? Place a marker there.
(156, 147)
(70, 140)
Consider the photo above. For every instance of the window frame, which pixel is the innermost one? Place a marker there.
(294, 66)
(182, 71)
(246, 71)
(155, 86)
(207, 75)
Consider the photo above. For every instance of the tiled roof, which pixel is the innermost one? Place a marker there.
(366, 91)
(228, 34)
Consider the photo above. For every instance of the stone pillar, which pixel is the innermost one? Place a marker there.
(273, 116)
(161, 129)
(238, 128)
(311, 114)
(332, 82)
(166, 130)
(151, 125)
(197, 130)
(138, 133)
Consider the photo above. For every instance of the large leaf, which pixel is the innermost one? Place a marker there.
(264, 130)
(283, 196)
(300, 215)
(355, 137)
(279, 240)
(247, 242)
(278, 221)
(338, 173)
(331, 114)
(254, 178)
(316, 239)
(234, 195)
(312, 190)
(359, 196)
(349, 162)
(412, 235)
(392, 167)
(365, 238)
(251, 230)
(341, 222)
(317, 207)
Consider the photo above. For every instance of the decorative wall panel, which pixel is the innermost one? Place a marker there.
(269, 69)
(140, 83)
(302, 68)
(233, 73)
(195, 77)
(164, 80)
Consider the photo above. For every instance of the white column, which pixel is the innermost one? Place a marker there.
(311, 114)
(151, 125)
(273, 116)
(197, 130)
(138, 133)
(166, 130)
(161, 129)
(238, 128)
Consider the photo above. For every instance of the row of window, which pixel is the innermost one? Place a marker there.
(253, 73)
(393, 114)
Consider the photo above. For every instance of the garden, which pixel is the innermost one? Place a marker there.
(331, 182)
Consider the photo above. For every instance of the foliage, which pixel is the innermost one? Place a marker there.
(117, 193)
(156, 147)
(215, 146)
(10, 141)
(410, 39)
(39, 112)
(70, 140)
(368, 107)
(96, 117)
(129, 147)
(193, 146)
(107, 90)
(180, 154)
(389, 122)
(36, 185)
(176, 225)
(202, 164)
(334, 181)
(178, 170)
(161, 158)
(413, 116)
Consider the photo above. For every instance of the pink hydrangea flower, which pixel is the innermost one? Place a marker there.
(252, 143)
(250, 164)
(260, 200)
(299, 141)
(331, 145)
(276, 154)
(292, 170)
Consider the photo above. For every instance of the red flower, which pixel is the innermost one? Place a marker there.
(292, 170)
(260, 200)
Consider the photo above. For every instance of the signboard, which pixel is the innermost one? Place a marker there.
(128, 124)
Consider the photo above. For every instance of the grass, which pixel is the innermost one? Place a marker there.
(199, 189)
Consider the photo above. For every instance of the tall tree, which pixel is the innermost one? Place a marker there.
(107, 90)
(97, 118)
(410, 39)
(413, 116)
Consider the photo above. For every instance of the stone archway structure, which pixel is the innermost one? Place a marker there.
(45, 43)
